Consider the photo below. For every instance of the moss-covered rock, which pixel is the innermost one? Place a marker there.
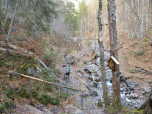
(27, 65)
(138, 112)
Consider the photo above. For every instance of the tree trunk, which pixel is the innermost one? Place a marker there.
(102, 67)
(1, 29)
(113, 46)
(95, 28)
(142, 18)
(7, 2)
(147, 21)
(12, 20)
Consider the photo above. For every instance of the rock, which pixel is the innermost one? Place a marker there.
(70, 62)
(95, 84)
(131, 87)
(72, 109)
(99, 103)
(98, 61)
(86, 76)
(85, 94)
(92, 78)
(146, 91)
(55, 110)
(128, 82)
(99, 83)
(134, 95)
(87, 85)
(34, 72)
(99, 73)
(128, 100)
(89, 63)
(93, 93)
(91, 68)
(136, 84)
(79, 75)
(98, 79)
(30, 109)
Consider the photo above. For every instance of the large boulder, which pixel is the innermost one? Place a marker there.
(36, 72)
(93, 93)
(91, 68)
(72, 109)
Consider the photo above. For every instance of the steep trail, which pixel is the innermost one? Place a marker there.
(76, 81)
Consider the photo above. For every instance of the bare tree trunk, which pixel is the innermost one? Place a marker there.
(113, 46)
(102, 67)
(142, 19)
(7, 1)
(95, 28)
(147, 21)
(12, 20)
(10, 28)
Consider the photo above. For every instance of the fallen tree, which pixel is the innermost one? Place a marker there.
(14, 50)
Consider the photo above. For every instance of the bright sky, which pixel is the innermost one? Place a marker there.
(76, 2)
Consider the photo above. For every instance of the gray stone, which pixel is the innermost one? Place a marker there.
(128, 100)
(98, 61)
(136, 84)
(99, 73)
(131, 87)
(95, 84)
(36, 72)
(134, 95)
(99, 83)
(86, 76)
(146, 91)
(91, 68)
(93, 93)
(128, 82)
(72, 109)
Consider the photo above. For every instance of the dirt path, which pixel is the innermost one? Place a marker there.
(76, 82)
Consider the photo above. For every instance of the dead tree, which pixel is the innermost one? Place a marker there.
(101, 47)
(114, 52)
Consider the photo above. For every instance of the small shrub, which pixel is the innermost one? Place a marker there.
(56, 71)
(145, 40)
(146, 45)
(2, 107)
(131, 52)
(132, 71)
(145, 60)
(51, 49)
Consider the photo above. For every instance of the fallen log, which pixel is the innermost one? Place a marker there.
(49, 70)
(29, 53)
(37, 79)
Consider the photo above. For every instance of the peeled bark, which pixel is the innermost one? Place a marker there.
(102, 67)
(114, 52)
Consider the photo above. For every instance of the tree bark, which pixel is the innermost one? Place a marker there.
(147, 21)
(12, 20)
(101, 47)
(113, 46)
